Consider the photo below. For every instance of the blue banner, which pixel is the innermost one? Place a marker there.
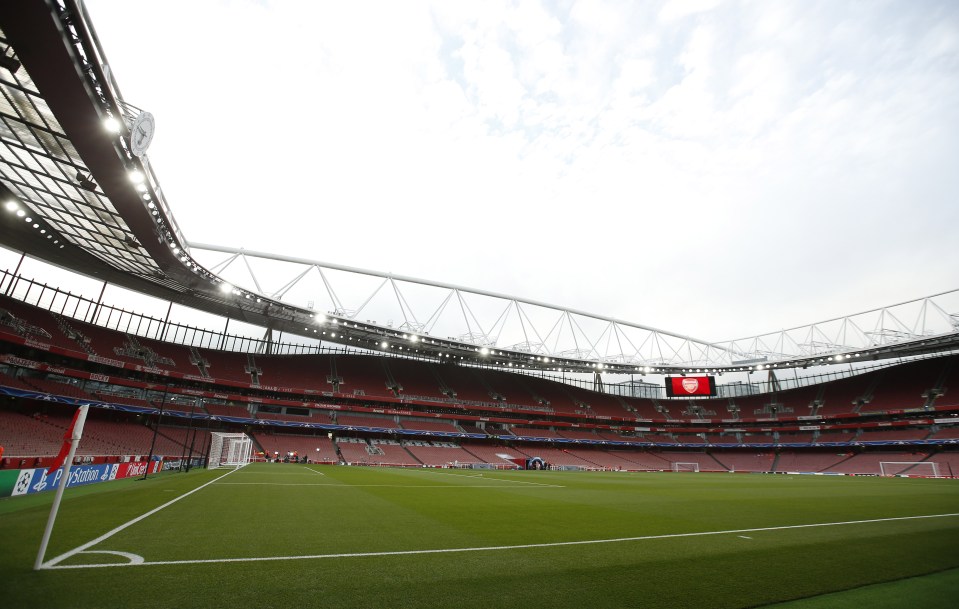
(31, 481)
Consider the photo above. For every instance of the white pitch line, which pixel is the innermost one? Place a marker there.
(343, 485)
(316, 472)
(500, 548)
(427, 471)
(282, 473)
(52, 562)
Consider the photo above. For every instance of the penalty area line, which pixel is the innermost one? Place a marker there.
(499, 548)
(482, 477)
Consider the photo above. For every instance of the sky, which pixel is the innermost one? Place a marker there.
(716, 169)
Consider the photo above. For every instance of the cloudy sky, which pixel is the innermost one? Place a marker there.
(717, 169)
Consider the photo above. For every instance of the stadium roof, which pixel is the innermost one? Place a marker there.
(84, 196)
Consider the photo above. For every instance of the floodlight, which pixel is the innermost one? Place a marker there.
(12, 206)
(21, 213)
(111, 124)
(136, 176)
(226, 288)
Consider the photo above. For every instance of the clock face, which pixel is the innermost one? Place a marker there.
(141, 133)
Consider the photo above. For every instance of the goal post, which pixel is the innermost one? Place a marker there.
(229, 450)
(929, 469)
(679, 466)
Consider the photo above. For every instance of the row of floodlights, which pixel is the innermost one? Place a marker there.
(14, 207)
(138, 178)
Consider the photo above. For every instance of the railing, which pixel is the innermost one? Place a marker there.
(84, 309)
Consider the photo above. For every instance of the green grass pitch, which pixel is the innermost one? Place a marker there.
(334, 536)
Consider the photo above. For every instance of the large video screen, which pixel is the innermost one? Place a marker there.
(685, 386)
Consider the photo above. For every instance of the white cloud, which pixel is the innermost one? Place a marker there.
(675, 10)
(794, 157)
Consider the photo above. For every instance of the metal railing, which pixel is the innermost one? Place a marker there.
(84, 309)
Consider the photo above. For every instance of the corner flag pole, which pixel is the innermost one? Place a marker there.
(71, 439)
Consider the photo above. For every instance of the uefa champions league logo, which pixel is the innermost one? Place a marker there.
(23, 482)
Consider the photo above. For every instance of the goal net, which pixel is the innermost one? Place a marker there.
(909, 468)
(685, 467)
(229, 450)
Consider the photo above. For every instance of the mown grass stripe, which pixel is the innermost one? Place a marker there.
(50, 564)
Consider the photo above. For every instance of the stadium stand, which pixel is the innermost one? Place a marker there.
(456, 399)
(948, 433)
(892, 435)
(739, 461)
(354, 420)
(758, 438)
(796, 438)
(894, 390)
(868, 463)
(362, 376)
(705, 460)
(354, 451)
(28, 436)
(642, 460)
(300, 371)
(807, 461)
(439, 454)
(392, 452)
(227, 410)
(535, 432)
(8, 380)
(463, 384)
(429, 425)
(225, 365)
(316, 449)
(844, 396)
(494, 455)
(579, 434)
(833, 437)
(415, 378)
(66, 389)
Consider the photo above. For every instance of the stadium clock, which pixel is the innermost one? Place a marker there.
(141, 133)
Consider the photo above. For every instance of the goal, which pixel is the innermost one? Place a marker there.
(685, 467)
(909, 468)
(229, 450)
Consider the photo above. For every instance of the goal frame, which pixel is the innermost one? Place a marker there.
(229, 450)
(910, 464)
(677, 464)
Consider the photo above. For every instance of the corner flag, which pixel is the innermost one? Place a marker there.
(65, 459)
(74, 432)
